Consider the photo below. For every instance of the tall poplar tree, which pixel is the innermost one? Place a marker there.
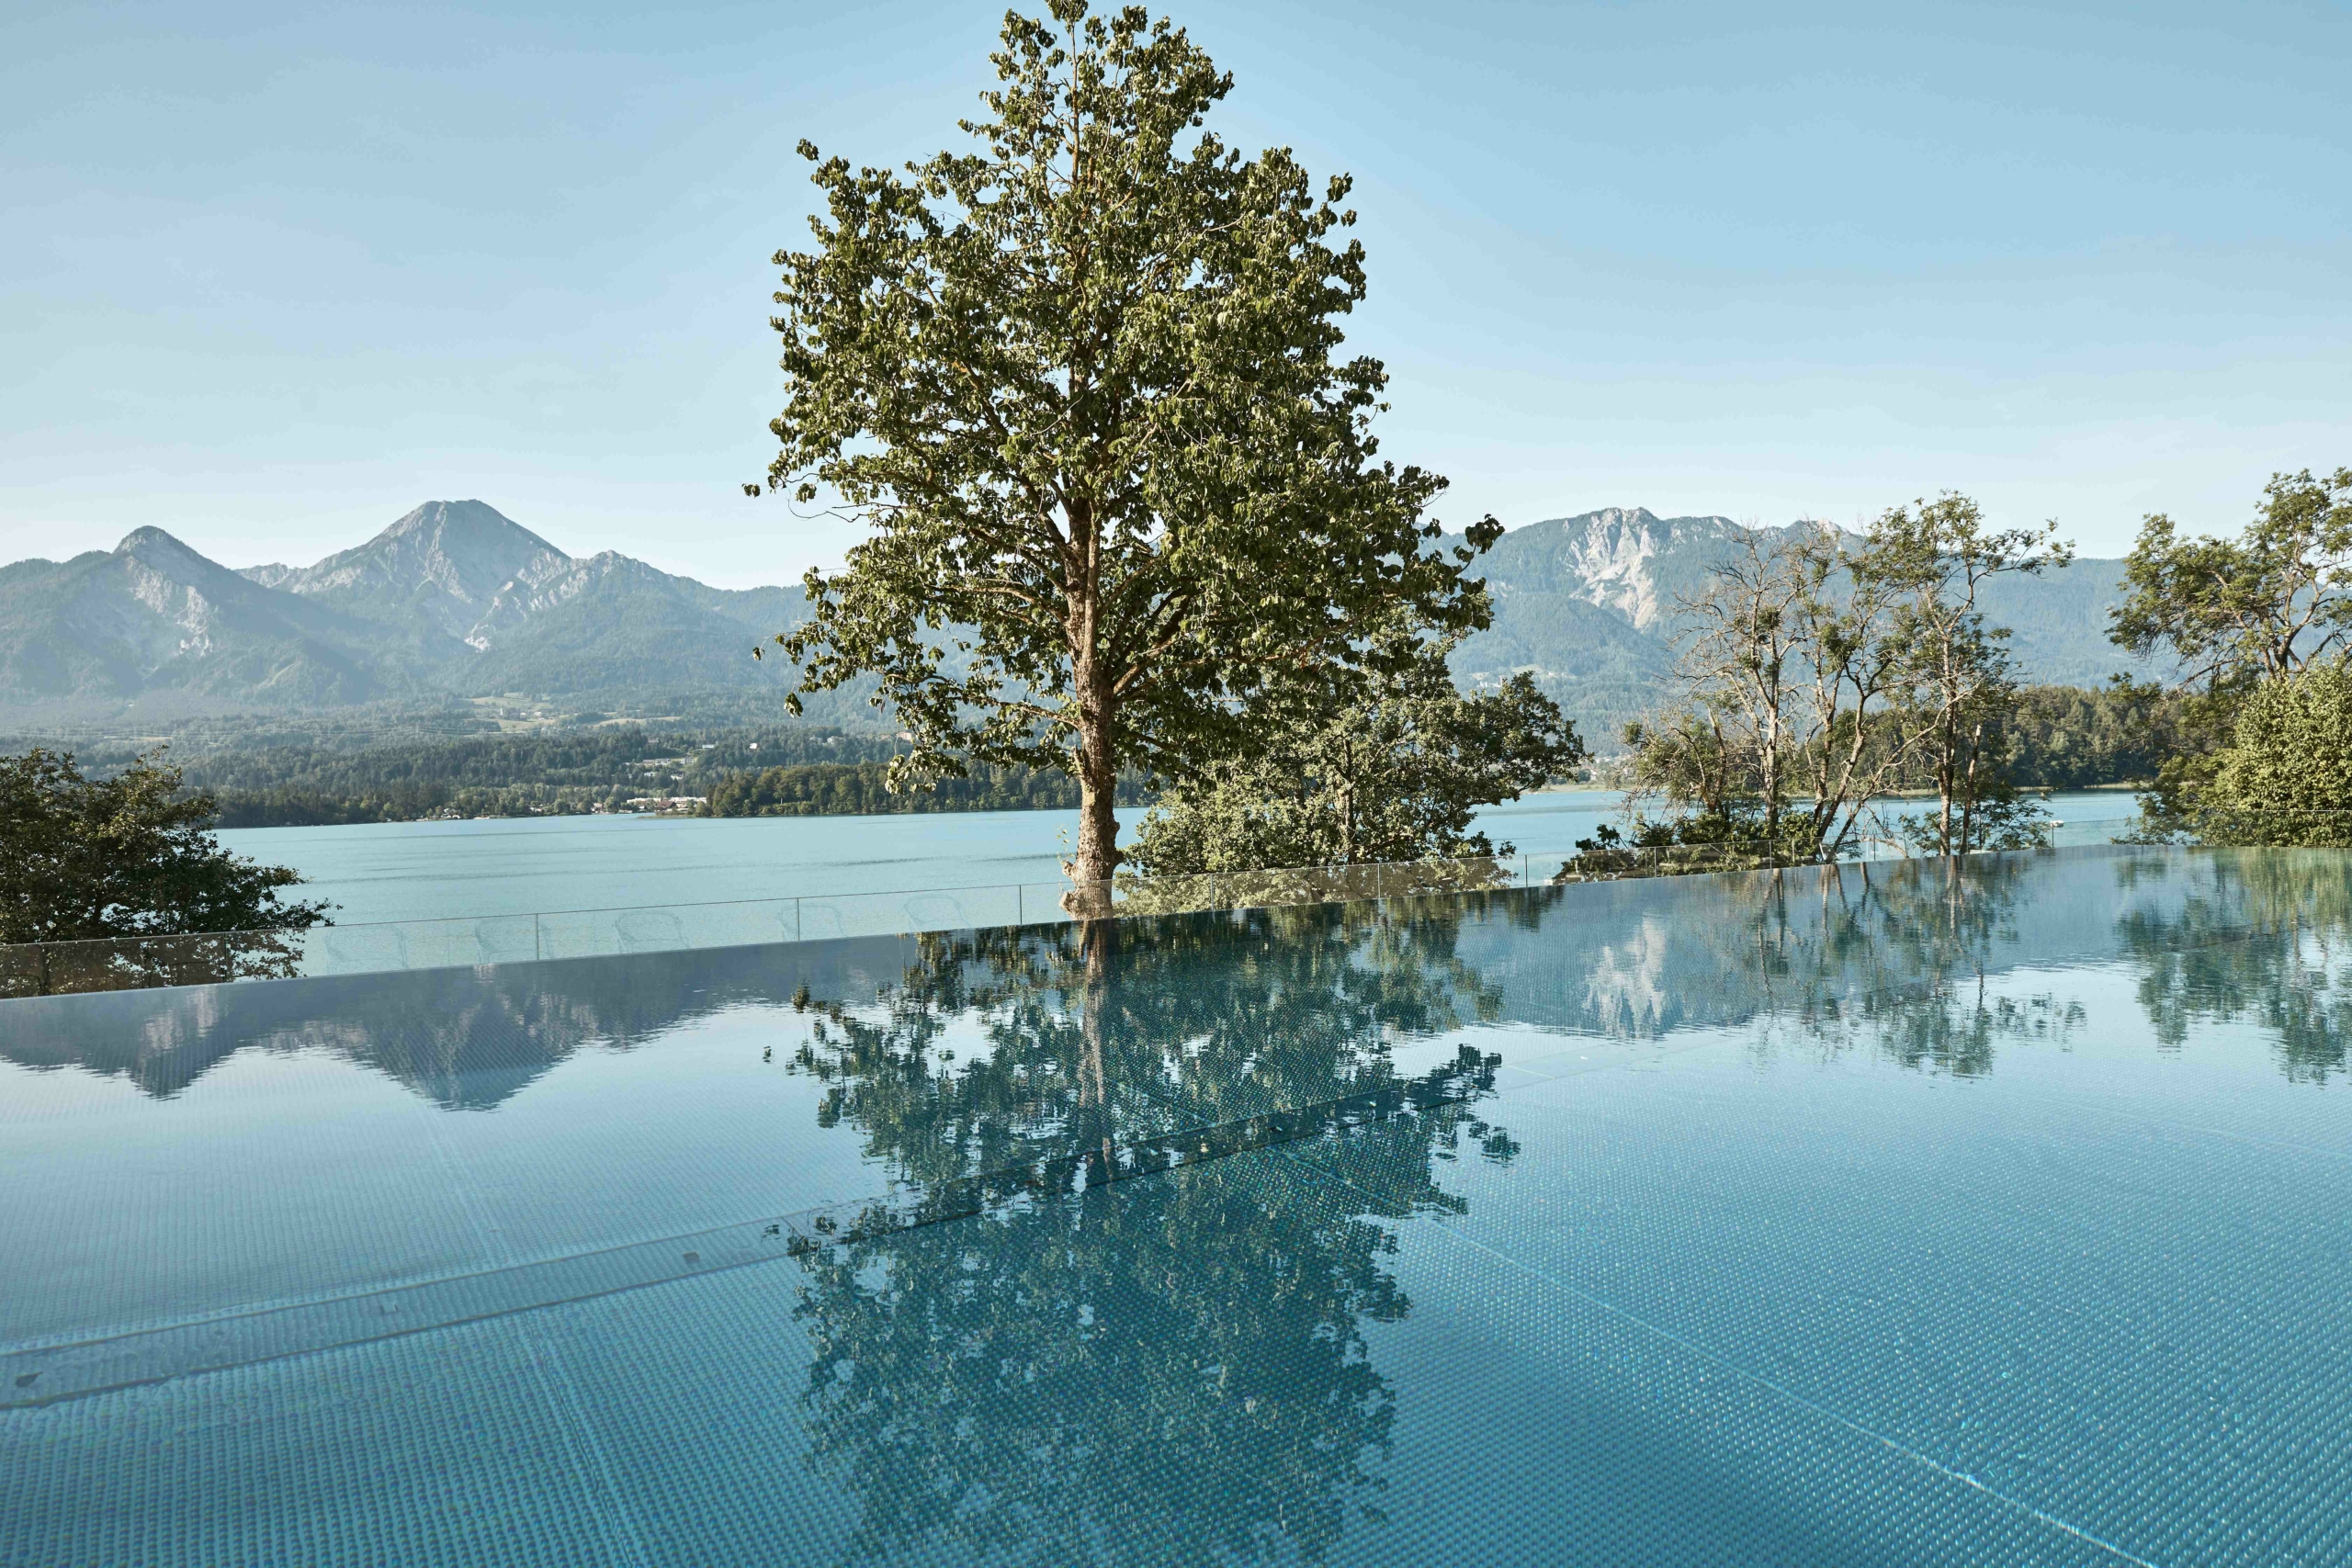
(1083, 386)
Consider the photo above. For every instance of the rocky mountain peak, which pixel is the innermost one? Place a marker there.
(447, 563)
(154, 548)
(1617, 517)
(463, 523)
(455, 598)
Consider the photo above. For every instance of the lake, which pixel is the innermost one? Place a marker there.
(412, 870)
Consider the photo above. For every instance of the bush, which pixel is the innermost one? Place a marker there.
(2285, 778)
(130, 870)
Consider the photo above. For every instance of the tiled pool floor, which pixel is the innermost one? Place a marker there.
(2001, 1218)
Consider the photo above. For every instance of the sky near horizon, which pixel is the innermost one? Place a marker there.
(276, 274)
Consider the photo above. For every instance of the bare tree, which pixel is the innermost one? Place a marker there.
(1732, 673)
(1785, 691)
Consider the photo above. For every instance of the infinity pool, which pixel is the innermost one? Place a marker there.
(1892, 1215)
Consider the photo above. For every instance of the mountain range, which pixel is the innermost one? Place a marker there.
(456, 600)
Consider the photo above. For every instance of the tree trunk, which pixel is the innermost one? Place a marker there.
(1098, 762)
(1098, 793)
(1097, 826)
(1968, 789)
(1948, 743)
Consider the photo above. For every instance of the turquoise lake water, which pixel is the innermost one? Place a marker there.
(1919, 1213)
(413, 871)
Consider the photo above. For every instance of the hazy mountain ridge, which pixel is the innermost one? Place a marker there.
(456, 599)
(153, 614)
(453, 599)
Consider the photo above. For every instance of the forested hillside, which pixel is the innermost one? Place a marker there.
(500, 776)
(408, 764)
(2067, 738)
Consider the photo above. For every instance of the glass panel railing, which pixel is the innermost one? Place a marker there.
(937, 909)
(36, 969)
(419, 944)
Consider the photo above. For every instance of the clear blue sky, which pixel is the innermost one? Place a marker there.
(274, 274)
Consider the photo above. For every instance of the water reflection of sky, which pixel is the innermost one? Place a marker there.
(1898, 1214)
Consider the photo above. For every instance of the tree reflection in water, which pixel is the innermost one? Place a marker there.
(1897, 957)
(1933, 930)
(2257, 935)
(1174, 1369)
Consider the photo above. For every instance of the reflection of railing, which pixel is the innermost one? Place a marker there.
(124, 963)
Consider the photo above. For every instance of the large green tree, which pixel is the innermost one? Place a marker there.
(1083, 385)
(85, 859)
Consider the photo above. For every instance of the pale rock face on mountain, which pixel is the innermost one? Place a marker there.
(1586, 605)
(1591, 606)
(1613, 556)
(153, 614)
(167, 580)
(450, 564)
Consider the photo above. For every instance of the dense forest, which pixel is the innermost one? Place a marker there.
(2067, 738)
(300, 779)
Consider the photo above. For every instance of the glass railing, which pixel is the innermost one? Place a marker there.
(212, 958)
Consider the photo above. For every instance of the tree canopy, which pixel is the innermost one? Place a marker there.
(85, 859)
(1771, 726)
(1084, 384)
(1959, 683)
(2250, 608)
(2236, 614)
(124, 856)
(1820, 671)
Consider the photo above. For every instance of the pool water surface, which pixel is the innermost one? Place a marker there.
(1997, 1211)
